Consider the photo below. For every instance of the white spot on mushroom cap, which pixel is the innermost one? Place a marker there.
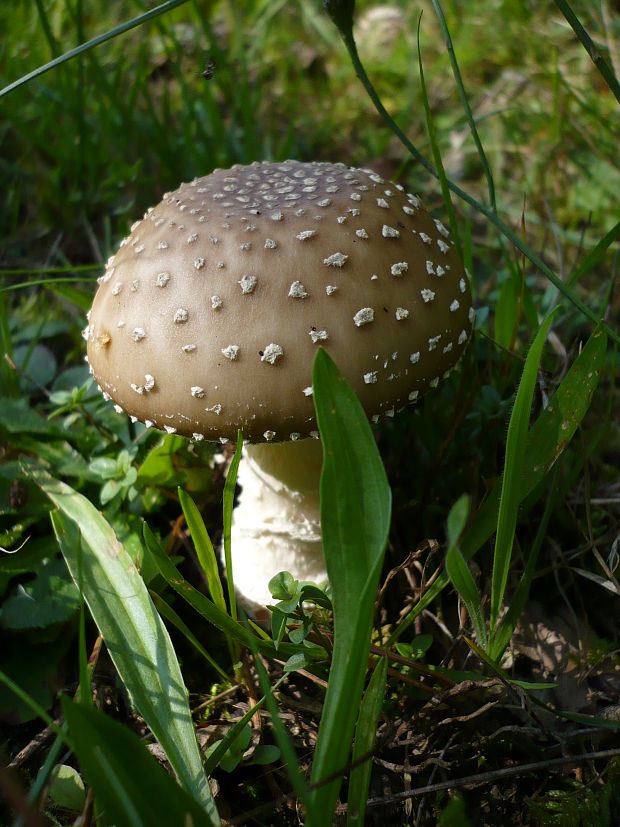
(272, 353)
(162, 279)
(181, 315)
(331, 288)
(413, 395)
(364, 316)
(430, 268)
(443, 230)
(389, 232)
(425, 238)
(401, 313)
(231, 352)
(117, 288)
(433, 342)
(454, 306)
(471, 314)
(149, 383)
(318, 336)
(443, 246)
(462, 285)
(399, 268)
(197, 392)
(336, 260)
(169, 429)
(248, 283)
(371, 377)
(269, 435)
(415, 357)
(270, 244)
(381, 202)
(188, 348)
(462, 337)
(308, 391)
(199, 263)
(361, 233)
(304, 235)
(216, 302)
(297, 290)
(427, 295)
(138, 334)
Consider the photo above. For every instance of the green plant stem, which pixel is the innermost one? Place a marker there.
(588, 44)
(465, 103)
(488, 212)
(91, 44)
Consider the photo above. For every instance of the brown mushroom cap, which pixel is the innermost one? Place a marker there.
(208, 317)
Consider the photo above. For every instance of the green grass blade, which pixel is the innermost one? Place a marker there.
(91, 44)
(458, 570)
(355, 520)
(508, 623)
(287, 750)
(168, 613)
(134, 634)
(547, 439)
(595, 255)
(588, 44)
(212, 760)
(465, 102)
(204, 548)
(365, 735)
(227, 508)
(514, 466)
(463, 581)
(127, 780)
(207, 608)
(432, 137)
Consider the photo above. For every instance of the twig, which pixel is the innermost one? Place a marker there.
(487, 777)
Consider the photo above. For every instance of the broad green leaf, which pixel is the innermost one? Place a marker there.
(158, 467)
(67, 788)
(50, 598)
(355, 521)
(365, 734)
(135, 635)
(204, 548)
(514, 467)
(129, 784)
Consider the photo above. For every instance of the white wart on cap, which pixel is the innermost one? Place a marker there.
(208, 317)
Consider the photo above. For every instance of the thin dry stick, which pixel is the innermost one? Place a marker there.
(487, 777)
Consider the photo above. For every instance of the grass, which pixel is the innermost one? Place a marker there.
(521, 123)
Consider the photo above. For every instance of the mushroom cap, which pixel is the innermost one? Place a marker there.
(208, 317)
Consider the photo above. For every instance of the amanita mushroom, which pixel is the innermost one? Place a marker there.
(208, 318)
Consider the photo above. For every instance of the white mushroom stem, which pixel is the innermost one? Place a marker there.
(276, 524)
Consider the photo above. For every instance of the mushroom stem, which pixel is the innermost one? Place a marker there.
(276, 524)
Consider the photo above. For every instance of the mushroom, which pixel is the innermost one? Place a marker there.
(208, 317)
